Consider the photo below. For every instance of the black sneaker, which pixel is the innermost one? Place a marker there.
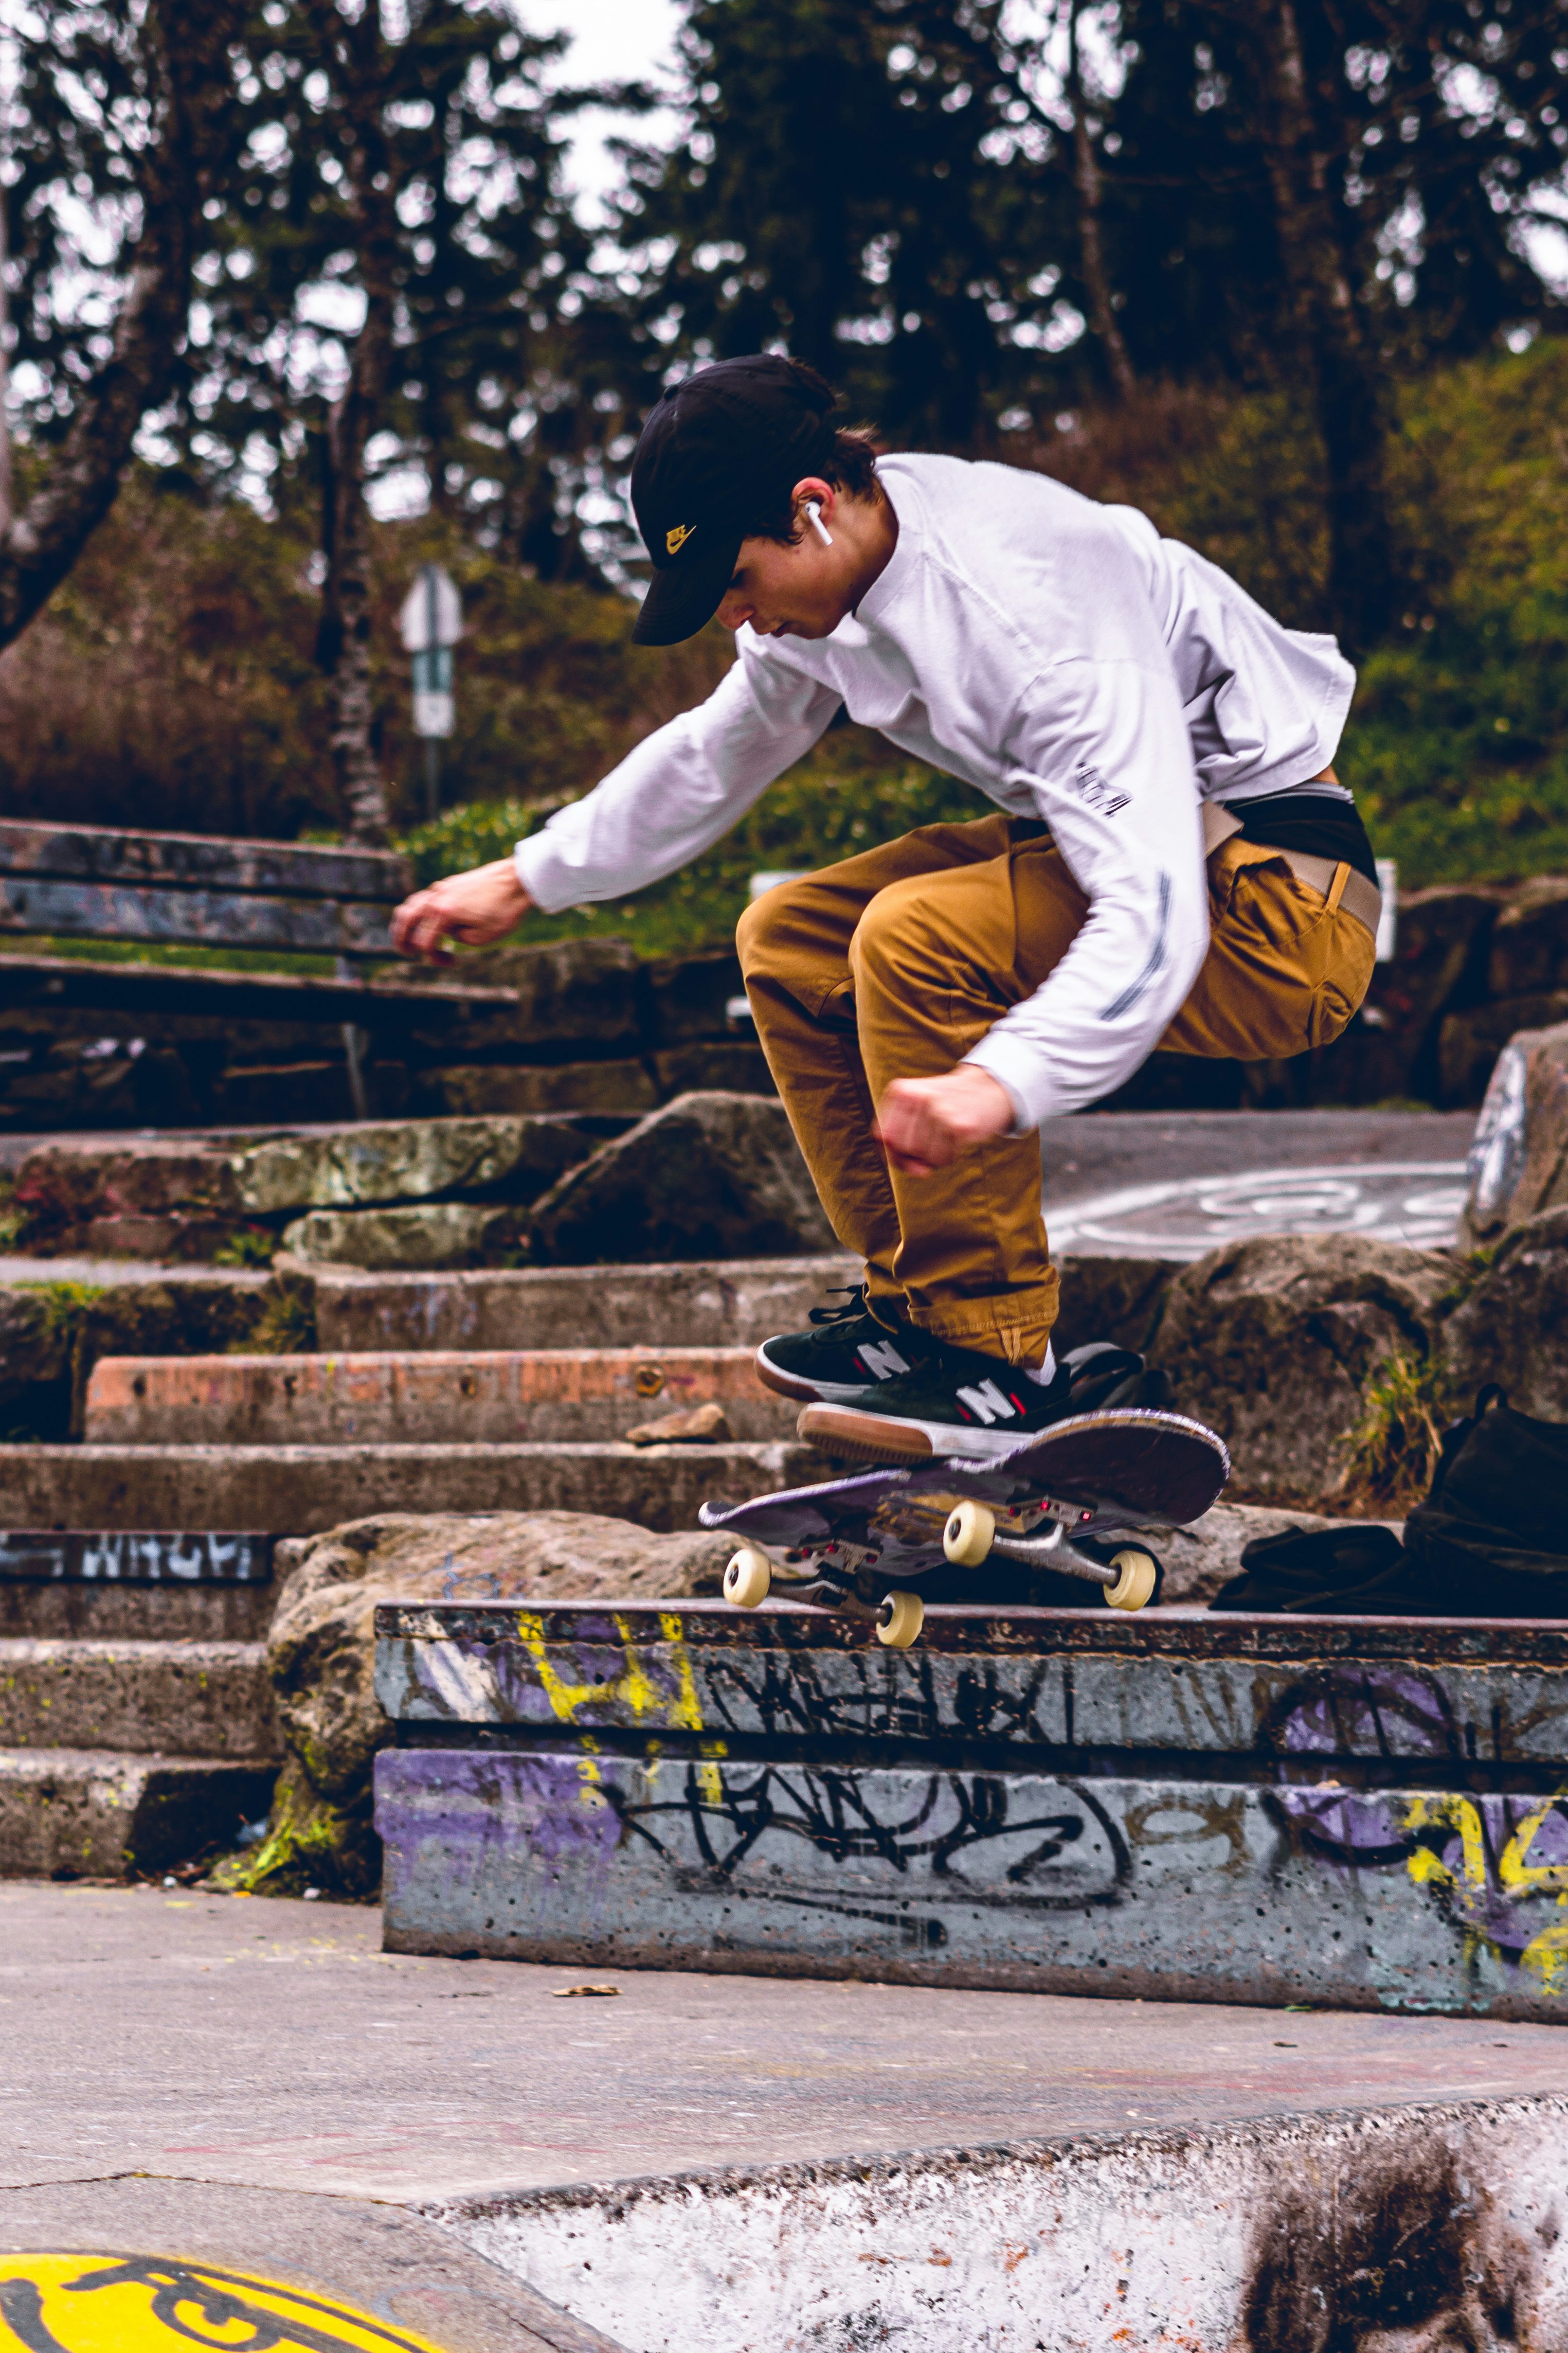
(957, 1402)
(843, 1357)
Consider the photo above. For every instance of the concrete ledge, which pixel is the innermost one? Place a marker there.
(576, 1394)
(1031, 1880)
(159, 1698)
(1409, 2225)
(300, 1489)
(68, 1813)
(719, 1303)
(136, 1613)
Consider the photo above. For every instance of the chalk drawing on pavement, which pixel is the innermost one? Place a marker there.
(1412, 1201)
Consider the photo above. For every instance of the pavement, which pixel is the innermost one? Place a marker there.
(254, 2083)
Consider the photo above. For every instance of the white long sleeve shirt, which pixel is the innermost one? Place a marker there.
(1069, 662)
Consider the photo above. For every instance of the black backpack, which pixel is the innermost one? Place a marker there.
(1489, 1541)
(1495, 1526)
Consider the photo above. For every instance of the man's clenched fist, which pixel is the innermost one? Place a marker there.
(474, 908)
(924, 1123)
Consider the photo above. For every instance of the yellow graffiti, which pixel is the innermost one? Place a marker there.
(118, 2302)
(1547, 1954)
(633, 1689)
(1517, 1873)
(1451, 1812)
(1516, 1876)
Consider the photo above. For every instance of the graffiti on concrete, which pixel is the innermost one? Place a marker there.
(932, 1822)
(1343, 1828)
(131, 1556)
(1495, 1867)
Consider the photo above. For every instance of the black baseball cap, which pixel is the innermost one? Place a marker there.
(721, 448)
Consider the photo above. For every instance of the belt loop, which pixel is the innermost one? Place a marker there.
(1337, 887)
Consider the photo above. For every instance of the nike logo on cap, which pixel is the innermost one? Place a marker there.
(674, 540)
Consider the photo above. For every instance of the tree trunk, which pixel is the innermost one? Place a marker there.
(185, 45)
(1102, 317)
(1362, 583)
(343, 645)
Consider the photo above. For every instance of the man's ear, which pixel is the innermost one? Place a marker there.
(819, 492)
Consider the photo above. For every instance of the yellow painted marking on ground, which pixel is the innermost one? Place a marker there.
(119, 2302)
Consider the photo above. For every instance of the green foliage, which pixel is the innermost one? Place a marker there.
(845, 797)
(284, 1327)
(249, 1246)
(1395, 1446)
(309, 1842)
(64, 1304)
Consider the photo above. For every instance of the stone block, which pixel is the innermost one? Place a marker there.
(568, 992)
(68, 1184)
(485, 1089)
(1518, 1161)
(727, 1065)
(1470, 1042)
(422, 1397)
(1510, 1328)
(726, 1304)
(296, 1489)
(1529, 940)
(429, 1235)
(168, 1241)
(405, 1160)
(291, 1092)
(167, 1698)
(1271, 1342)
(321, 1649)
(711, 1176)
(1116, 1299)
(68, 1813)
(690, 995)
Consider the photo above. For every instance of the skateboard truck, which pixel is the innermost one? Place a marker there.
(969, 1536)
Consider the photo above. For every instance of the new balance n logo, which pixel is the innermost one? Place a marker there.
(988, 1402)
(881, 1359)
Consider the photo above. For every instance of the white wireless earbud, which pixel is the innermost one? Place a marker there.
(818, 526)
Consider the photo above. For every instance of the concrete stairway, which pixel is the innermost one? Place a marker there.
(135, 1712)
(441, 1415)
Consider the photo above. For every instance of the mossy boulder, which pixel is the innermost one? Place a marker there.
(321, 1652)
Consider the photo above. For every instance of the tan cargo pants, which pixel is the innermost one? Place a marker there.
(894, 964)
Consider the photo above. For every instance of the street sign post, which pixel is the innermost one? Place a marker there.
(432, 622)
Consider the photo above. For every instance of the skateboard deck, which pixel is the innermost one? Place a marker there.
(844, 1540)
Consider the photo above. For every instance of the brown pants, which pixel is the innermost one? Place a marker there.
(894, 964)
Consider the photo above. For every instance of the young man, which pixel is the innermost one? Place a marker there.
(1171, 861)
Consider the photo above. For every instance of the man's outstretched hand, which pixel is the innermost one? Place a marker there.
(476, 908)
(924, 1123)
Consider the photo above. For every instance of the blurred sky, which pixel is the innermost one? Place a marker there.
(612, 40)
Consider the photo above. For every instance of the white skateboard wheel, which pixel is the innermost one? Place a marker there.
(1136, 1580)
(899, 1620)
(747, 1579)
(967, 1539)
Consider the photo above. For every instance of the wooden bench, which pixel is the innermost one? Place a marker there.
(189, 890)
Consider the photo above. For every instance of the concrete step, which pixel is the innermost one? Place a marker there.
(1185, 1805)
(136, 1613)
(119, 1586)
(155, 1698)
(99, 1813)
(298, 1490)
(707, 1304)
(572, 1394)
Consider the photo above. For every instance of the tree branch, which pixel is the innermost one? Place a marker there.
(185, 45)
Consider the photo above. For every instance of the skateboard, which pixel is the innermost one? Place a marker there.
(841, 1543)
